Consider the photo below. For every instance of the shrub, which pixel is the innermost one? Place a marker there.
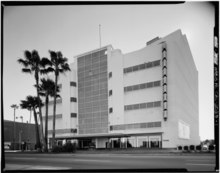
(69, 147)
(186, 148)
(56, 149)
(198, 147)
(180, 147)
(192, 147)
(211, 147)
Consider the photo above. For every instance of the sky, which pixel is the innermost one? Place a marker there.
(74, 29)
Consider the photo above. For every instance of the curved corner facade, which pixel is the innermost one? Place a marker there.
(146, 98)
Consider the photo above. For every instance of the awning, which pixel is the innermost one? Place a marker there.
(111, 135)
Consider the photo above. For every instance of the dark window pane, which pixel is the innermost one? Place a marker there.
(142, 86)
(73, 99)
(73, 115)
(143, 105)
(135, 68)
(142, 66)
(150, 104)
(110, 92)
(149, 64)
(129, 69)
(150, 84)
(110, 110)
(110, 74)
(136, 87)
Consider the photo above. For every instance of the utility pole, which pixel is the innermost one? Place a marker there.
(14, 106)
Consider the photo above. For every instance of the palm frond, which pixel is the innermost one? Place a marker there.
(26, 70)
(47, 70)
(53, 56)
(35, 57)
(23, 62)
(65, 67)
(27, 55)
(45, 62)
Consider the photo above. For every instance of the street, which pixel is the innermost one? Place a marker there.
(27, 161)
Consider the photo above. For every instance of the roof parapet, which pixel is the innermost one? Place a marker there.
(152, 41)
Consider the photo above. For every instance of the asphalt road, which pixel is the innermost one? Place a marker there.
(36, 161)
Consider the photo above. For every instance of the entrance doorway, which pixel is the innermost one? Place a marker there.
(155, 141)
(85, 143)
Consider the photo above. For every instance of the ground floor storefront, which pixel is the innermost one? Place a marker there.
(114, 141)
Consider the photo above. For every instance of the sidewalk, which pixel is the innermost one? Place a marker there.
(118, 151)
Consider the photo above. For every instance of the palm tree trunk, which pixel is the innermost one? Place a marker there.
(40, 113)
(30, 116)
(37, 130)
(46, 122)
(54, 111)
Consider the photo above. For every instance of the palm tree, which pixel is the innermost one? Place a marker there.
(59, 65)
(34, 64)
(47, 87)
(32, 103)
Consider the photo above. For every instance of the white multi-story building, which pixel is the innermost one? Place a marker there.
(146, 98)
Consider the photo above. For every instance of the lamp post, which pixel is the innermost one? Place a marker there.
(20, 133)
(14, 106)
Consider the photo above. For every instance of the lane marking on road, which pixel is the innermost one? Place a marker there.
(91, 160)
(23, 158)
(201, 164)
(31, 167)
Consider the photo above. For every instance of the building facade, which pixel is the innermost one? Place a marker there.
(146, 98)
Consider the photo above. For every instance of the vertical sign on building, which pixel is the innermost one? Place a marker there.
(164, 79)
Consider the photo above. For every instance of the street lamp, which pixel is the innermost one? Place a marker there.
(14, 106)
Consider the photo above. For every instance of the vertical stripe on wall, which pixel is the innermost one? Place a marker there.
(164, 76)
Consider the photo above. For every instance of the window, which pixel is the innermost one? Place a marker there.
(156, 63)
(149, 64)
(110, 110)
(73, 115)
(110, 74)
(136, 87)
(150, 84)
(157, 104)
(142, 66)
(73, 99)
(72, 83)
(157, 83)
(135, 68)
(110, 92)
(143, 105)
(129, 69)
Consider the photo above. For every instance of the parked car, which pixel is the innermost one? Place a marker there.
(205, 148)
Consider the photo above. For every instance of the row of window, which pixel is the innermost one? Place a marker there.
(84, 110)
(93, 131)
(97, 56)
(89, 71)
(142, 86)
(88, 98)
(60, 131)
(90, 65)
(96, 103)
(142, 105)
(93, 115)
(91, 76)
(142, 66)
(135, 126)
(57, 102)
